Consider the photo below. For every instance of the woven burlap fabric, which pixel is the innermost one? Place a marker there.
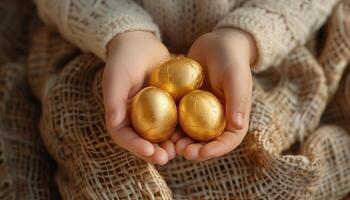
(91, 166)
(25, 169)
(287, 154)
(288, 103)
(48, 55)
(14, 19)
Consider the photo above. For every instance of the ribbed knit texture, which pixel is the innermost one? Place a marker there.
(90, 24)
(277, 26)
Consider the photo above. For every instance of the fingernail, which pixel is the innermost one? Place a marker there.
(238, 119)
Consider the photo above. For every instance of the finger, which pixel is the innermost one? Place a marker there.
(237, 90)
(129, 140)
(159, 157)
(227, 141)
(169, 147)
(182, 143)
(221, 145)
(176, 136)
(192, 152)
(116, 88)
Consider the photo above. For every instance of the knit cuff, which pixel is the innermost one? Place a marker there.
(265, 29)
(109, 30)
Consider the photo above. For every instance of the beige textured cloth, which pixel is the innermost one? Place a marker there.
(26, 170)
(297, 147)
(277, 26)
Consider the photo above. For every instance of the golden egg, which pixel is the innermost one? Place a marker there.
(178, 76)
(201, 115)
(153, 114)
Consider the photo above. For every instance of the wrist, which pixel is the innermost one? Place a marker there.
(131, 36)
(242, 38)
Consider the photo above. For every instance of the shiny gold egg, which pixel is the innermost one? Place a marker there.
(153, 114)
(178, 76)
(201, 115)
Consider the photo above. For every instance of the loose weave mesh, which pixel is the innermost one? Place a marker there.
(287, 154)
(14, 18)
(25, 169)
(91, 166)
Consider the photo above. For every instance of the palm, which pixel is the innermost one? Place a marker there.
(131, 57)
(226, 63)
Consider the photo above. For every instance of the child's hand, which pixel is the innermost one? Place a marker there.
(226, 55)
(131, 55)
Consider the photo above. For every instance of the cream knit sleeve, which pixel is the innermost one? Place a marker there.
(91, 24)
(278, 25)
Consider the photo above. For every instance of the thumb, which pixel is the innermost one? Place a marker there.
(116, 87)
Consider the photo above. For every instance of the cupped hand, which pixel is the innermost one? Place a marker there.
(226, 55)
(131, 56)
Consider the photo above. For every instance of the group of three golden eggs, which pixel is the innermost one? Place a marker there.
(154, 111)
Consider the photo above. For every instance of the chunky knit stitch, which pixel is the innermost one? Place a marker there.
(277, 26)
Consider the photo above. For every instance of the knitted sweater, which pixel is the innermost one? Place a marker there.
(276, 25)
